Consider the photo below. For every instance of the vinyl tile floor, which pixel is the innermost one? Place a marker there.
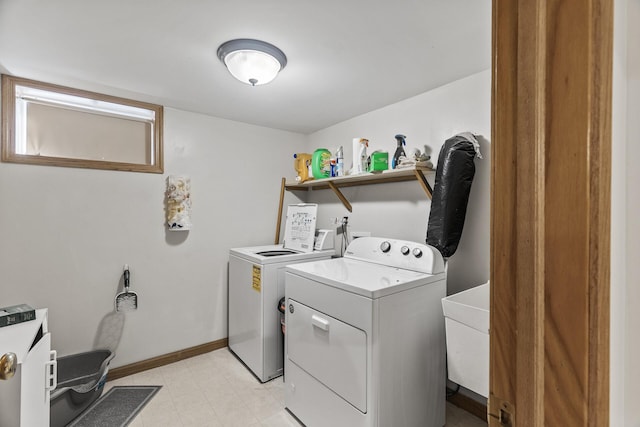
(216, 389)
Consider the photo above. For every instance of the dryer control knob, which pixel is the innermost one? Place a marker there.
(405, 250)
(385, 246)
(417, 252)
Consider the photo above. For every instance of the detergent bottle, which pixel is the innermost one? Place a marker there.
(321, 163)
(301, 164)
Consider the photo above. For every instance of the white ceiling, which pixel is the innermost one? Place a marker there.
(345, 57)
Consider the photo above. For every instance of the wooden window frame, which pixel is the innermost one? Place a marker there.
(8, 150)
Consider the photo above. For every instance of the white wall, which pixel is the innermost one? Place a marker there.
(618, 218)
(625, 228)
(632, 341)
(401, 210)
(66, 233)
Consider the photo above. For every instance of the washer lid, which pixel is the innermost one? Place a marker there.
(361, 277)
(270, 254)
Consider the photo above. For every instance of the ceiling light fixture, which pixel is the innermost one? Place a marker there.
(253, 62)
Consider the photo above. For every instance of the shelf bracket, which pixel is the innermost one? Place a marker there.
(423, 182)
(343, 199)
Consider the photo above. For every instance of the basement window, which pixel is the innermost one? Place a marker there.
(58, 126)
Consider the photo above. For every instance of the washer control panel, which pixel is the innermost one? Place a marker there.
(397, 253)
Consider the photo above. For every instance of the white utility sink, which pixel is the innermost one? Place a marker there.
(467, 328)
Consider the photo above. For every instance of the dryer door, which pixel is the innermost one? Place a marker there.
(331, 351)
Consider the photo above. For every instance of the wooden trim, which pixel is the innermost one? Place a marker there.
(165, 359)
(530, 203)
(503, 269)
(468, 404)
(77, 163)
(600, 91)
(550, 222)
(578, 202)
(158, 140)
(283, 183)
(79, 92)
(8, 118)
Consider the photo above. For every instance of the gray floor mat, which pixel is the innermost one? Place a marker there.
(117, 408)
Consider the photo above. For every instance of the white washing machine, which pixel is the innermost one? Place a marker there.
(365, 341)
(256, 285)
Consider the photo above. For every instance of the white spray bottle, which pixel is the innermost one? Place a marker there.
(339, 162)
(359, 155)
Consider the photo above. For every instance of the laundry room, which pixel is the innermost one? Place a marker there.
(139, 261)
(70, 231)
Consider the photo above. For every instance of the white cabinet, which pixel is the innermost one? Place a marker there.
(24, 398)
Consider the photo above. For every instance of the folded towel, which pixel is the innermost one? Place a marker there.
(405, 163)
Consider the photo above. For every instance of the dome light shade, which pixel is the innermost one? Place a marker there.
(253, 62)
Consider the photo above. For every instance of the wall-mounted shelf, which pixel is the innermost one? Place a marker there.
(392, 175)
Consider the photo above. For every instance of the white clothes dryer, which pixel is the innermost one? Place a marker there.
(365, 341)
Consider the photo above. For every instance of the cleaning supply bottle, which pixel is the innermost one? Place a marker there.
(400, 141)
(321, 163)
(301, 165)
(364, 159)
(360, 155)
(339, 161)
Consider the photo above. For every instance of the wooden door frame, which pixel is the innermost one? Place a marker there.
(550, 212)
